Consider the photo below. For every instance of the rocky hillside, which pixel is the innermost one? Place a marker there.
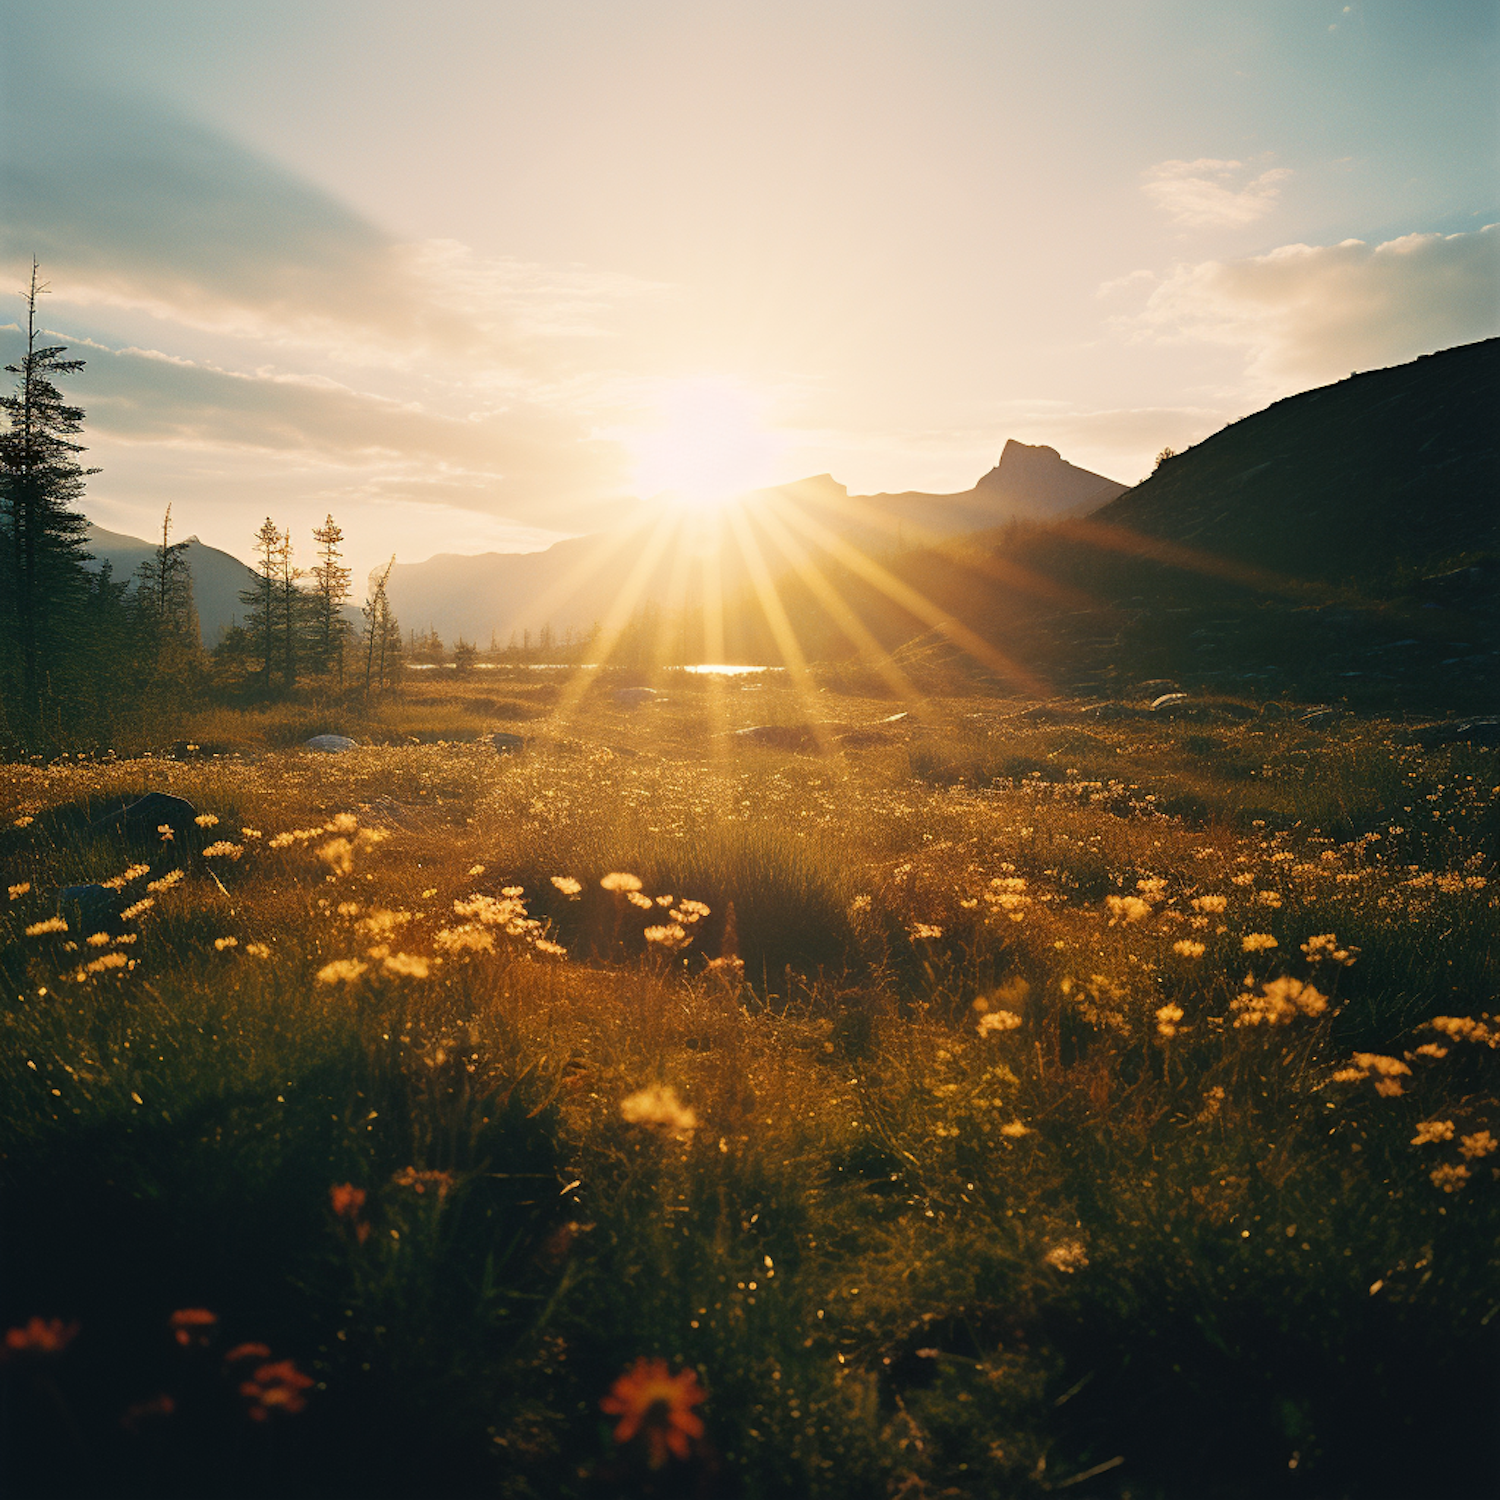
(1389, 473)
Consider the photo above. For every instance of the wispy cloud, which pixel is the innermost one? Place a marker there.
(1208, 193)
(1318, 311)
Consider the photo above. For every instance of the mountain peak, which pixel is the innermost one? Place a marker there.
(1042, 478)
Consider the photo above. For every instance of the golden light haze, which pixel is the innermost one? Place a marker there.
(458, 274)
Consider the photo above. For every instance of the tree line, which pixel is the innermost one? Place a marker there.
(82, 653)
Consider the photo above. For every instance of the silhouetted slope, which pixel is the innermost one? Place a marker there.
(1387, 471)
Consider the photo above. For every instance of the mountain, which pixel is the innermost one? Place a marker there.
(1030, 483)
(1390, 470)
(218, 577)
(1343, 544)
(574, 583)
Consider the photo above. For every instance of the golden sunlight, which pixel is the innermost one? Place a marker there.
(708, 445)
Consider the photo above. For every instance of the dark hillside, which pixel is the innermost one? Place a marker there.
(1340, 545)
(1384, 473)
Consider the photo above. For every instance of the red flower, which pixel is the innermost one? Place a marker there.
(657, 1405)
(276, 1387)
(40, 1336)
(348, 1203)
(190, 1325)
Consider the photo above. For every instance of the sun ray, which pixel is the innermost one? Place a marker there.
(618, 616)
(918, 605)
(838, 609)
(781, 627)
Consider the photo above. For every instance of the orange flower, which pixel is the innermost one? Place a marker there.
(247, 1351)
(349, 1204)
(40, 1336)
(190, 1325)
(348, 1201)
(657, 1405)
(276, 1387)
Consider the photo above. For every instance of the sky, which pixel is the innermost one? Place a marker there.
(469, 276)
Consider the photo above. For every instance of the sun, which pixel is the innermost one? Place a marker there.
(707, 445)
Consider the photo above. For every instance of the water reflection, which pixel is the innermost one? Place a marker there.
(699, 668)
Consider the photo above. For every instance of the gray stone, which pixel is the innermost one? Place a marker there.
(330, 744)
(88, 909)
(1463, 732)
(146, 816)
(1168, 700)
(780, 736)
(507, 744)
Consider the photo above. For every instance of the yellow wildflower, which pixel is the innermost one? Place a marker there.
(658, 1105)
(1433, 1130)
(1188, 948)
(567, 885)
(1472, 1147)
(1257, 942)
(342, 971)
(617, 880)
(1449, 1177)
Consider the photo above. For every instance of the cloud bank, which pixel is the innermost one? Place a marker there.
(1210, 194)
(1315, 312)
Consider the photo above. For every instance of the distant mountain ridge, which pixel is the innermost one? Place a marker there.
(573, 584)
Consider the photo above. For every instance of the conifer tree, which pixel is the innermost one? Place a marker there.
(43, 582)
(164, 589)
(382, 630)
(291, 604)
(331, 591)
(260, 597)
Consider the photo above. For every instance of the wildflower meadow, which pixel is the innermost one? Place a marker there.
(995, 1098)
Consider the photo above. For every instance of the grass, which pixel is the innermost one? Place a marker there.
(953, 1165)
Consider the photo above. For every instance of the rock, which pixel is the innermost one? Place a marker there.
(146, 816)
(1168, 700)
(780, 736)
(330, 744)
(633, 697)
(1463, 732)
(88, 909)
(507, 744)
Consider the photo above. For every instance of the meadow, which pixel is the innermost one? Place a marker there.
(986, 1097)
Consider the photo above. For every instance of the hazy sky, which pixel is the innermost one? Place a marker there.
(443, 269)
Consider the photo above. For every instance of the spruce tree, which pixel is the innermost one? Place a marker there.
(43, 583)
(331, 590)
(164, 590)
(260, 597)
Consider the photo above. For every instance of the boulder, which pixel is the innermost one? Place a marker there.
(1462, 732)
(330, 744)
(780, 736)
(88, 909)
(507, 744)
(633, 697)
(148, 815)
